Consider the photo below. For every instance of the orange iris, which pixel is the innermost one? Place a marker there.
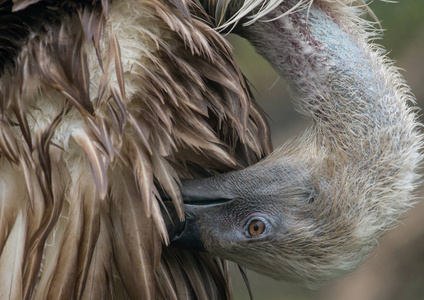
(256, 227)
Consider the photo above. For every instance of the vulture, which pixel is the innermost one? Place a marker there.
(134, 162)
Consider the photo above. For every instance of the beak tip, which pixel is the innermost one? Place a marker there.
(186, 235)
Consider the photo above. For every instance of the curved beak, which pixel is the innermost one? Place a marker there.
(198, 194)
(185, 235)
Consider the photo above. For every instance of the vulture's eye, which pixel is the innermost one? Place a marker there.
(256, 227)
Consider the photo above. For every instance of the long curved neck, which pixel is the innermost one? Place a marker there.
(339, 80)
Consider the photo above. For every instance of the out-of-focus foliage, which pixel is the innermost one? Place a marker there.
(395, 270)
(403, 22)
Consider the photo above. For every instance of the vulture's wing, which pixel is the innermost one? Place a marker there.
(102, 103)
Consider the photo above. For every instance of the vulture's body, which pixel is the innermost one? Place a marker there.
(105, 106)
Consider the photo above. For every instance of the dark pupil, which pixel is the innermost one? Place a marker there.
(256, 227)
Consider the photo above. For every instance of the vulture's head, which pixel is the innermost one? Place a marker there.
(276, 218)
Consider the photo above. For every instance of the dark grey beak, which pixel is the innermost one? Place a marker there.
(198, 194)
(185, 235)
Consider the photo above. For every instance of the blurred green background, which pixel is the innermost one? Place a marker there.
(395, 271)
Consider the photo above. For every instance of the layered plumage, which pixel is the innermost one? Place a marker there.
(103, 103)
(100, 103)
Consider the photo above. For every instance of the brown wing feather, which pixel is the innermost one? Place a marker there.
(135, 239)
(99, 271)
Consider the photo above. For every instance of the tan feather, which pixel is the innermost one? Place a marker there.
(99, 271)
(121, 115)
(135, 239)
(12, 260)
(168, 179)
(118, 64)
(51, 252)
(171, 285)
(63, 281)
(215, 150)
(10, 189)
(93, 20)
(104, 136)
(43, 217)
(191, 276)
(90, 234)
(9, 144)
(142, 130)
(78, 240)
(23, 123)
(158, 217)
(14, 200)
(22, 4)
(143, 175)
(105, 6)
(27, 166)
(98, 160)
